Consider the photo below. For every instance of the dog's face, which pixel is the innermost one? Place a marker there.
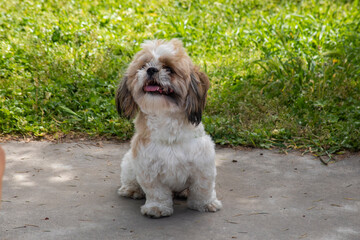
(163, 79)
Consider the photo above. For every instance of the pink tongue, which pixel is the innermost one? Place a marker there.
(150, 88)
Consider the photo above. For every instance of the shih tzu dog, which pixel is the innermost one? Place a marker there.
(170, 151)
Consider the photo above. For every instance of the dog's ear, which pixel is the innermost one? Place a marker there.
(125, 103)
(196, 98)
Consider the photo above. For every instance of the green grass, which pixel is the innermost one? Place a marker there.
(283, 73)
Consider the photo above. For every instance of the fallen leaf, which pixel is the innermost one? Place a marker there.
(352, 199)
(231, 222)
(258, 213)
(335, 205)
(19, 227)
(31, 225)
(238, 215)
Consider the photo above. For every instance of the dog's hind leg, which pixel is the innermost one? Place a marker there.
(129, 185)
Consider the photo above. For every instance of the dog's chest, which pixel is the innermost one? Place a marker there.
(170, 164)
(169, 156)
(171, 129)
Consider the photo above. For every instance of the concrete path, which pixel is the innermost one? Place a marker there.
(68, 191)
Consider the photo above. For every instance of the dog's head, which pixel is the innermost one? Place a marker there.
(162, 79)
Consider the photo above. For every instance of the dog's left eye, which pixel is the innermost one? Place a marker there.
(169, 69)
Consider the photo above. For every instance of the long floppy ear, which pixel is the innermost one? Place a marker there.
(196, 98)
(125, 103)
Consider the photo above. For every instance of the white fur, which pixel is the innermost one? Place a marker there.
(159, 50)
(178, 156)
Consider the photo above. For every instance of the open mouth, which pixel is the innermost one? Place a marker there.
(155, 88)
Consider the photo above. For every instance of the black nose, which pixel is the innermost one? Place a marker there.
(151, 71)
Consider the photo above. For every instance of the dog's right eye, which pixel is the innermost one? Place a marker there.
(143, 66)
(169, 69)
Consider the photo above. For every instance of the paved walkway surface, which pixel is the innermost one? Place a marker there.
(68, 191)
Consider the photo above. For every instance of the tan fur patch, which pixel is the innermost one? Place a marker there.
(196, 98)
(125, 103)
(142, 136)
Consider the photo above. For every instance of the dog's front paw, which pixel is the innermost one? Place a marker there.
(213, 206)
(156, 210)
(135, 193)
